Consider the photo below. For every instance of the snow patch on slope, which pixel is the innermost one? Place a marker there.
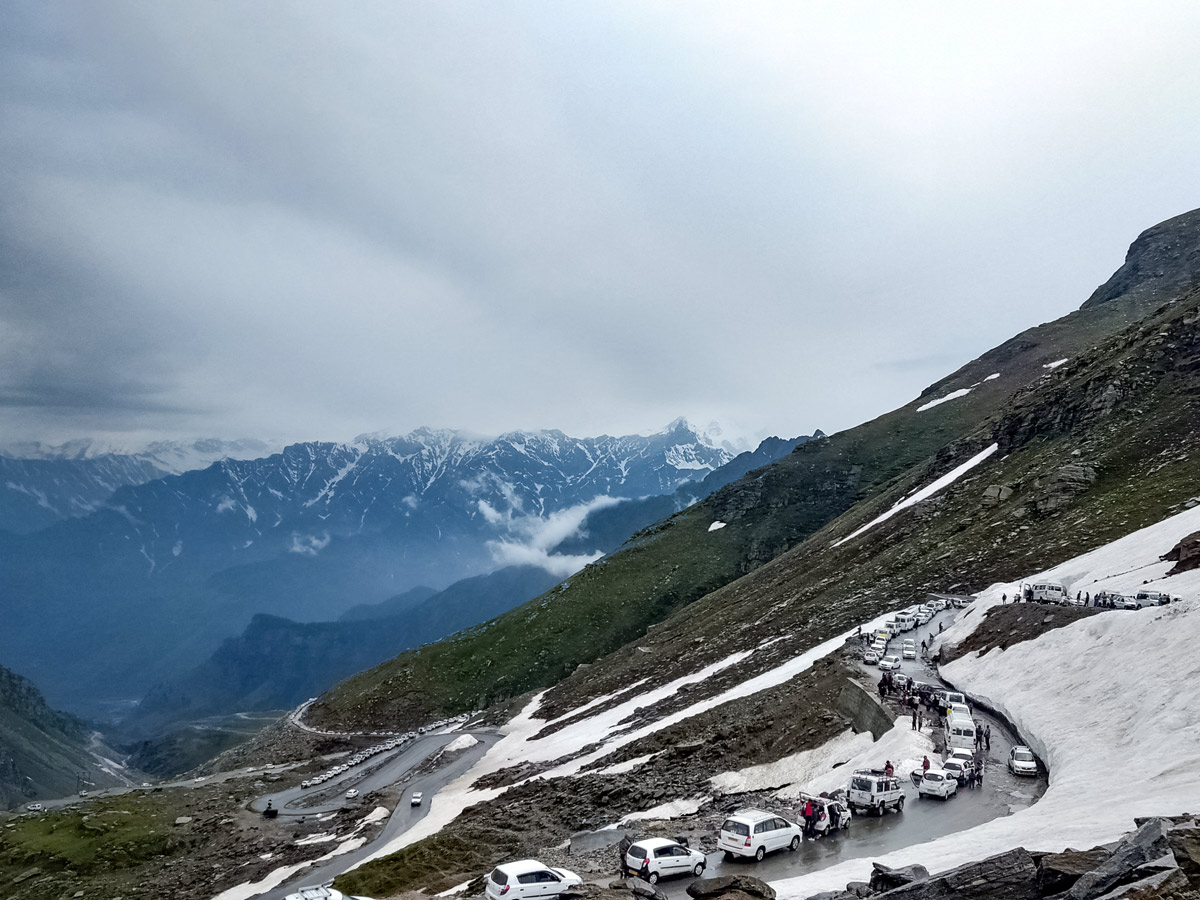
(953, 395)
(925, 493)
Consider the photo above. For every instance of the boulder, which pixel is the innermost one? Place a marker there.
(1059, 871)
(1169, 884)
(1145, 845)
(1011, 875)
(1185, 554)
(885, 878)
(726, 885)
(1184, 841)
(645, 889)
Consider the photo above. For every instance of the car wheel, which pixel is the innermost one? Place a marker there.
(698, 870)
(880, 810)
(900, 804)
(760, 853)
(795, 843)
(653, 879)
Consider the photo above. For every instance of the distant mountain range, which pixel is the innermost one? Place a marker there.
(132, 588)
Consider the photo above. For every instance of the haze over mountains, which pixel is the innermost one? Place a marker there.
(133, 576)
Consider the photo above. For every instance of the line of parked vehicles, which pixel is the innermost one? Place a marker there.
(1054, 592)
(363, 755)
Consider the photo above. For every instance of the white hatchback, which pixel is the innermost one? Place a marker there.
(937, 783)
(662, 858)
(1021, 761)
(889, 662)
(528, 878)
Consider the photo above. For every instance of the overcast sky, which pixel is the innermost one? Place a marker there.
(311, 220)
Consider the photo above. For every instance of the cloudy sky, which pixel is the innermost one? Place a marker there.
(310, 220)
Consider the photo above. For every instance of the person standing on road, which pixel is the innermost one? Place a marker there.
(914, 721)
(987, 737)
(925, 764)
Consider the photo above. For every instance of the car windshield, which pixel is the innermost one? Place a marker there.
(498, 877)
(736, 827)
(932, 776)
(861, 784)
(1023, 755)
(638, 852)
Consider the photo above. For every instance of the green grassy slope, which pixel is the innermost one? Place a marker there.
(678, 561)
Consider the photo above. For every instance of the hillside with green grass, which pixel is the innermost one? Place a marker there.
(771, 511)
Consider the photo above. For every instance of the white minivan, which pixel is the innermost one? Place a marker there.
(1050, 591)
(960, 732)
(756, 832)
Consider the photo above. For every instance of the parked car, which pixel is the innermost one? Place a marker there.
(889, 662)
(924, 614)
(416, 798)
(955, 769)
(832, 814)
(871, 656)
(352, 794)
(1021, 761)
(35, 807)
(874, 790)
(666, 858)
(322, 892)
(756, 832)
(964, 756)
(1151, 598)
(937, 604)
(305, 784)
(937, 783)
(528, 878)
(900, 680)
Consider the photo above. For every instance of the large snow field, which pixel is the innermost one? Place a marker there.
(1111, 703)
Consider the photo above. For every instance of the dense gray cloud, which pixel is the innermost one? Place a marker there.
(300, 221)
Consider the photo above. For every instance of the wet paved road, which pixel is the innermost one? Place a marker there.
(922, 820)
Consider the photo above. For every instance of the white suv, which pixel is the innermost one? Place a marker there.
(756, 832)
(873, 789)
(666, 857)
(528, 878)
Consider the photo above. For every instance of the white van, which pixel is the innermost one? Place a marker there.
(891, 627)
(756, 832)
(1050, 591)
(960, 732)
(906, 621)
(1152, 598)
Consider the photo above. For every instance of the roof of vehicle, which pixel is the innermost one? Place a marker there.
(941, 773)
(655, 843)
(522, 867)
(750, 814)
(319, 892)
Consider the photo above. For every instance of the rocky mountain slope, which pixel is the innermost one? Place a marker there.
(1077, 407)
(146, 586)
(43, 752)
(42, 484)
(1081, 454)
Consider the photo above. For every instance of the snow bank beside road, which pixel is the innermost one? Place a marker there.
(1111, 703)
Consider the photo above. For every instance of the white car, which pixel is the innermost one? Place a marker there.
(756, 832)
(908, 651)
(416, 799)
(528, 878)
(871, 656)
(956, 769)
(352, 793)
(305, 784)
(889, 662)
(1021, 761)
(664, 857)
(937, 783)
(937, 604)
(874, 790)
(35, 807)
(323, 892)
